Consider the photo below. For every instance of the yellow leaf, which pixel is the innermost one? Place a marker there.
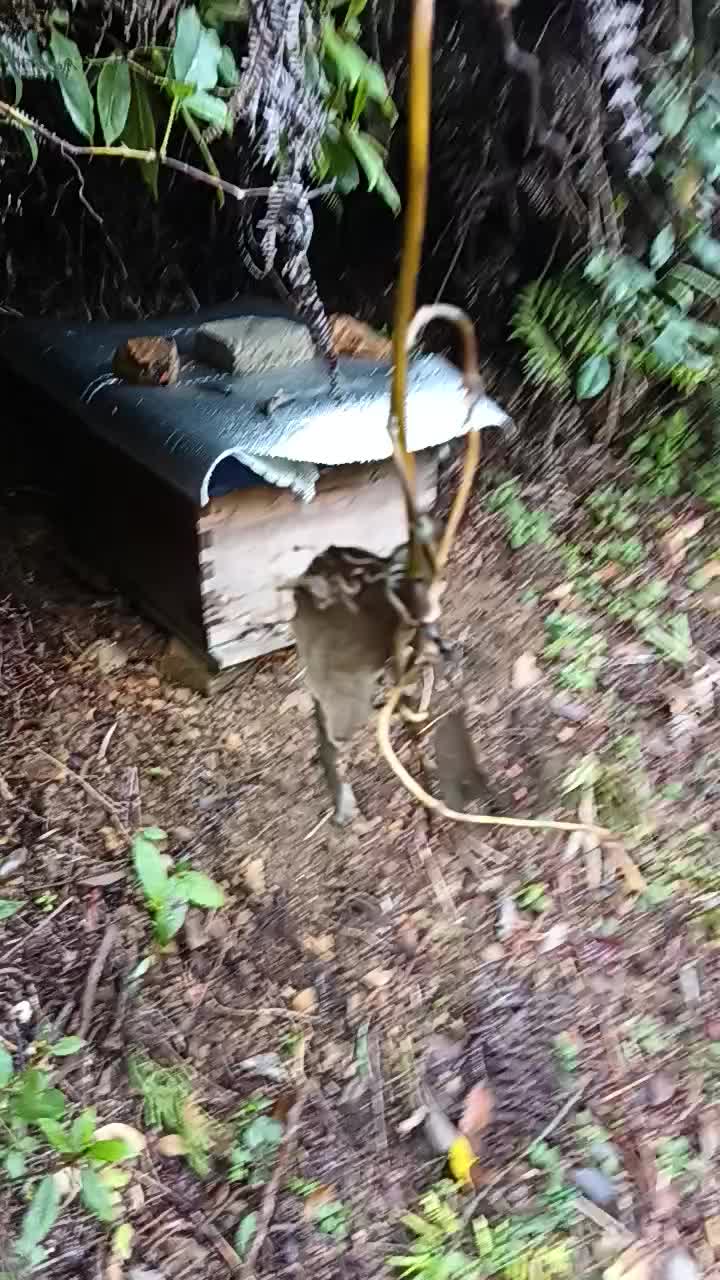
(461, 1159)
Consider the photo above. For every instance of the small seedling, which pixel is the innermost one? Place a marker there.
(169, 893)
(566, 1052)
(673, 641)
(523, 525)
(169, 1105)
(257, 1139)
(8, 908)
(26, 1100)
(574, 641)
(534, 897)
(95, 1159)
(646, 1036)
(328, 1215)
(665, 454)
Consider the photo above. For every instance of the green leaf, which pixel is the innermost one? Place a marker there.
(40, 1217)
(245, 1232)
(197, 888)
(73, 83)
(169, 919)
(675, 116)
(96, 1195)
(338, 162)
(9, 908)
(228, 73)
(35, 1101)
(114, 92)
(83, 1129)
(371, 161)
(108, 1150)
(208, 109)
(139, 134)
(6, 1067)
(197, 50)
(15, 1164)
(122, 1241)
(662, 247)
(57, 1136)
(593, 377)
(69, 1044)
(150, 867)
(706, 251)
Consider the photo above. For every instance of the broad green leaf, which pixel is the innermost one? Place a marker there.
(9, 908)
(338, 162)
(113, 98)
(371, 161)
(6, 1067)
(196, 52)
(593, 377)
(15, 1164)
(197, 888)
(57, 1136)
(150, 867)
(40, 1217)
(67, 1045)
(220, 11)
(122, 1241)
(169, 919)
(347, 57)
(662, 247)
(36, 1101)
(73, 83)
(674, 117)
(97, 1197)
(245, 1232)
(706, 251)
(139, 133)
(83, 1128)
(109, 1150)
(115, 1179)
(228, 73)
(208, 109)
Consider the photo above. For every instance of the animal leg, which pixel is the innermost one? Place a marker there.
(340, 790)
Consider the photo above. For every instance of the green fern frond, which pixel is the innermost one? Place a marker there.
(556, 320)
(696, 279)
(334, 204)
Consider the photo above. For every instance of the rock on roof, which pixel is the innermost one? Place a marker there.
(213, 431)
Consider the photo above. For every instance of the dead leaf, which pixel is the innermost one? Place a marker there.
(114, 1269)
(353, 338)
(316, 1200)
(132, 1138)
(171, 1144)
(525, 672)
(254, 876)
(674, 544)
(634, 1263)
(439, 1129)
(68, 1183)
(708, 571)
(376, 979)
(411, 1122)
(103, 879)
(321, 945)
(635, 881)
(305, 1001)
(477, 1113)
(269, 1065)
(678, 1264)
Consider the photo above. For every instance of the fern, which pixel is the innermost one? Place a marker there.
(556, 322)
(697, 280)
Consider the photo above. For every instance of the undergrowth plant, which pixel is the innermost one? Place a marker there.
(168, 893)
(142, 96)
(170, 1106)
(531, 1244)
(653, 313)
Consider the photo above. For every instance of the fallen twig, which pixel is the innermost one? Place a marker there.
(110, 937)
(544, 1133)
(91, 791)
(267, 1208)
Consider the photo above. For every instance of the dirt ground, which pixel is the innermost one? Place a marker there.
(581, 983)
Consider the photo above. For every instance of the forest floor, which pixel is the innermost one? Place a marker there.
(397, 963)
